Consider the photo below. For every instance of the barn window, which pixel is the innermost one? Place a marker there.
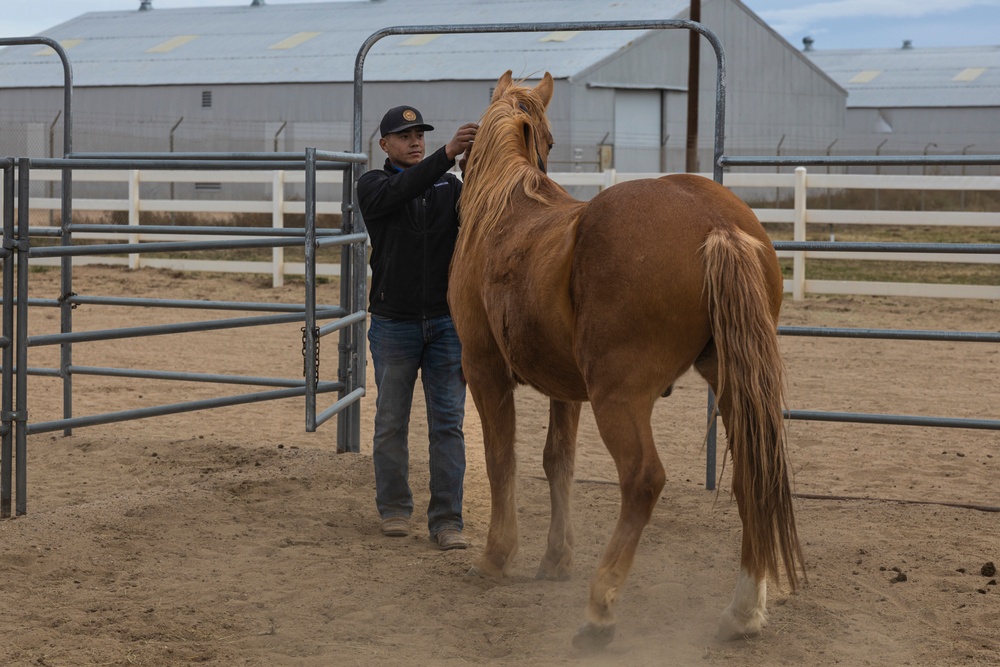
(206, 99)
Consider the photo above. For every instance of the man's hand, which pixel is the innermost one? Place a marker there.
(462, 140)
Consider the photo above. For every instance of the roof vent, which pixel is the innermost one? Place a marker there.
(807, 43)
(145, 4)
(907, 44)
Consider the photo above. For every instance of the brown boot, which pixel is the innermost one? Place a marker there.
(450, 538)
(396, 526)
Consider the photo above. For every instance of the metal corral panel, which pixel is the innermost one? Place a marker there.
(318, 42)
(914, 77)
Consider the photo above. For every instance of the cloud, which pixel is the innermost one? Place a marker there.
(799, 19)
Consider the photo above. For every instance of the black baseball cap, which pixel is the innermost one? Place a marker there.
(402, 118)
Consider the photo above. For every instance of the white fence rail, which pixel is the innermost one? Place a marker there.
(800, 183)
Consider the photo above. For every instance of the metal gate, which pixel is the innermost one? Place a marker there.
(346, 318)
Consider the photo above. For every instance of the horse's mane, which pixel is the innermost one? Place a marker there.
(502, 162)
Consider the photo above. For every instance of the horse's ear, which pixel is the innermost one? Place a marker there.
(503, 83)
(544, 90)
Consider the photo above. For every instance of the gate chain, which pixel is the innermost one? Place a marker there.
(304, 351)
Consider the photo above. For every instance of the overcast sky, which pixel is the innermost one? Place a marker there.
(833, 24)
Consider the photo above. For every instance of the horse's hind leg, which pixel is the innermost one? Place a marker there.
(624, 423)
(558, 461)
(746, 615)
(493, 394)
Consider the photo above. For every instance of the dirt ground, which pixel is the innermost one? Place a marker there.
(234, 537)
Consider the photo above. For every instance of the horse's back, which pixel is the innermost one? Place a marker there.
(650, 231)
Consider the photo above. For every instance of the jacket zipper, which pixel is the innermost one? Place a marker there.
(423, 279)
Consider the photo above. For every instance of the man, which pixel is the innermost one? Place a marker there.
(410, 209)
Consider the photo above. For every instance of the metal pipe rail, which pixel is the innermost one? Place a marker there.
(856, 160)
(352, 158)
(163, 329)
(892, 420)
(173, 408)
(193, 165)
(192, 303)
(892, 334)
(195, 377)
(173, 303)
(195, 230)
(159, 246)
(866, 246)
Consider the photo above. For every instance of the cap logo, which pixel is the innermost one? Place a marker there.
(409, 115)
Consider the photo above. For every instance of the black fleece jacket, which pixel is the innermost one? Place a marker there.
(412, 220)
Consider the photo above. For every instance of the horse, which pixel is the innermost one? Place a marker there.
(609, 301)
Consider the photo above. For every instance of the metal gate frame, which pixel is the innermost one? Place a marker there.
(720, 163)
(17, 251)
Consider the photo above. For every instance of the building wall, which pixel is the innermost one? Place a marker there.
(775, 98)
(908, 131)
(774, 95)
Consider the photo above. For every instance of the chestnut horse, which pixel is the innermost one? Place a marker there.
(610, 301)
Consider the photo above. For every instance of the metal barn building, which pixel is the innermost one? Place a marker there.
(261, 77)
(912, 101)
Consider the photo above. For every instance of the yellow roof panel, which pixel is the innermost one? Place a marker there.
(293, 41)
(171, 44)
(418, 40)
(559, 36)
(969, 74)
(865, 76)
(67, 44)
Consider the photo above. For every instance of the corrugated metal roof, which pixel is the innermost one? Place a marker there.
(914, 77)
(215, 45)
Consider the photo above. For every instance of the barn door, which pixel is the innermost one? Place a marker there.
(637, 130)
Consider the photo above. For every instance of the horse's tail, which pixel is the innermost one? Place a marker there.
(750, 391)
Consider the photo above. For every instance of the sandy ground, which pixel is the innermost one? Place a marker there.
(235, 538)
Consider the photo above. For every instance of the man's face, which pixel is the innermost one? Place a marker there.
(405, 148)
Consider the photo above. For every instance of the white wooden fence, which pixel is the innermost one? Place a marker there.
(800, 183)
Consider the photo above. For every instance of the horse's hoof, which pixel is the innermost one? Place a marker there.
(590, 637)
(732, 628)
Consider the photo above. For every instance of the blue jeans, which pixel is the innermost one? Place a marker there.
(399, 349)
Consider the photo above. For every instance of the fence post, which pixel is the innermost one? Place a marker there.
(278, 222)
(610, 178)
(133, 216)
(799, 234)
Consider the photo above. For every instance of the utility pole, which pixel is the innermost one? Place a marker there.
(694, 63)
